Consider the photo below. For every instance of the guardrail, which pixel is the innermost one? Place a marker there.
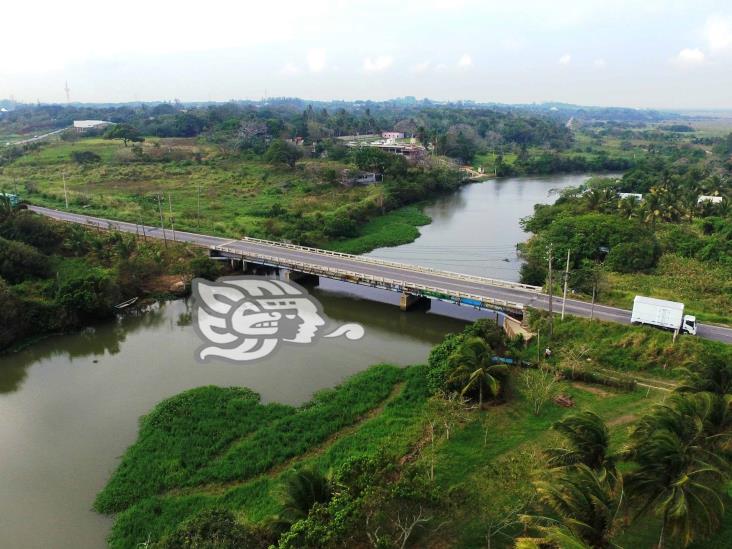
(118, 225)
(377, 281)
(403, 266)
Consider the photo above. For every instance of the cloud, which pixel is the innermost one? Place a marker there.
(420, 67)
(377, 64)
(440, 67)
(465, 61)
(565, 59)
(718, 32)
(690, 56)
(599, 63)
(289, 69)
(316, 60)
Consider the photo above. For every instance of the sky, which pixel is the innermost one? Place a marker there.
(641, 53)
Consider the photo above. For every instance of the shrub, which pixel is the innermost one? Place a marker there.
(633, 257)
(85, 157)
(85, 290)
(19, 261)
(33, 229)
(215, 529)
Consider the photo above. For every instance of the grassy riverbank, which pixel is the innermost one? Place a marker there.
(462, 469)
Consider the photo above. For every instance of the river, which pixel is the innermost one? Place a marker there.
(475, 231)
(69, 404)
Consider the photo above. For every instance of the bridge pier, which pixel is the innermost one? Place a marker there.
(409, 301)
(296, 276)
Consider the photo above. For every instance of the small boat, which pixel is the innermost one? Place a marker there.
(127, 303)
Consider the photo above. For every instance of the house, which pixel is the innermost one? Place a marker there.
(708, 198)
(392, 135)
(81, 126)
(366, 178)
(359, 178)
(637, 196)
(410, 152)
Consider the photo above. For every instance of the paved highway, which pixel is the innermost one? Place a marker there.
(439, 279)
(34, 138)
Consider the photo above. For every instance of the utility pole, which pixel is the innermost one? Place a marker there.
(162, 225)
(172, 225)
(198, 205)
(551, 292)
(142, 224)
(592, 308)
(566, 280)
(66, 195)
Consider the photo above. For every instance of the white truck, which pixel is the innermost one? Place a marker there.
(662, 313)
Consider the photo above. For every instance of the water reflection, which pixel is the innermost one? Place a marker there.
(104, 339)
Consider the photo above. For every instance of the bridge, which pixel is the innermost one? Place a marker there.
(414, 283)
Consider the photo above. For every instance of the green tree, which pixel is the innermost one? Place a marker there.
(283, 152)
(585, 506)
(473, 369)
(125, 132)
(713, 374)
(587, 442)
(678, 474)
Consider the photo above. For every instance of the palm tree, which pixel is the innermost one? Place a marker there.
(303, 489)
(713, 375)
(472, 367)
(678, 474)
(653, 208)
(628, 207)
(585, 506)
(588, 443)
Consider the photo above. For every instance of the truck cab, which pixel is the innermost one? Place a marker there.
(689, 324)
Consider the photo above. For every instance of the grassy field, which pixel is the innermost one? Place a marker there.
(704, 287)
(205, 190)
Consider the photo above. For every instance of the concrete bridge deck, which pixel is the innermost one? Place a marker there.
(410, 279)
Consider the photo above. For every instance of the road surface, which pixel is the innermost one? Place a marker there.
(440, 279)
(35, 138)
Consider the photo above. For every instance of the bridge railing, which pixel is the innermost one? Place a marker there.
(404, 266)
(378, 281)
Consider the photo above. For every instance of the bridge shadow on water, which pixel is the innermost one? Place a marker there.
(377, 308)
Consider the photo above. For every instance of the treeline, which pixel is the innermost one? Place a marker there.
(552, 163)
(455, 131)
(55, 277)
(628, 235)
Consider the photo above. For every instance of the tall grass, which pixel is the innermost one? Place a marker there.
(214, 434)
(393, 429)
